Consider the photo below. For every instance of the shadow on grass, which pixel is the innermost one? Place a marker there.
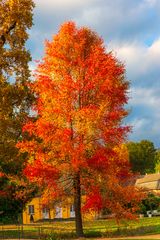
(125, 232)
(111, 234)
(16, 234)
(60, 235)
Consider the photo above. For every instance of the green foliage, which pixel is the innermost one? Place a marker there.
(15, 97)
(151, 202)
(142, 156)
(13, 197)
(157, 159)
(14, 22)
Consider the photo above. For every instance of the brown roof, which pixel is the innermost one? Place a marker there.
(148, 178)
(149, 182)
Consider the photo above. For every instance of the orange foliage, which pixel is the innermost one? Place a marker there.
(80, 93)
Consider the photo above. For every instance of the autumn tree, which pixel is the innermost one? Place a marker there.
(80, 92)
(15, 97)
(142, 156)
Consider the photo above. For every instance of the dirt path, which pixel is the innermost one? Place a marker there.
(157, 236)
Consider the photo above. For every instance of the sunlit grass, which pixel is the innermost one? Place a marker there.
(92, 229)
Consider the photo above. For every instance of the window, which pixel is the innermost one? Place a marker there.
(45, 210)
(72, 208)
(31, 209)
(72, 211)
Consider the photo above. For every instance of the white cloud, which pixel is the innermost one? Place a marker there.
(62, 4)
(142, 61)
(146, 97)
(139, 124)
(112, 19)
(152, 3)
(145, 128)
(145, 114)
(132, 30)
(154, 50)
(89, 16)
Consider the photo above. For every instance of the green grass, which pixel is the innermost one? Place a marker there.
(92, 229)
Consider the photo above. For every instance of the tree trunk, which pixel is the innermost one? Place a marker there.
(77, 205)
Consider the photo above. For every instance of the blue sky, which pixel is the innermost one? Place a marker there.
(131, 29)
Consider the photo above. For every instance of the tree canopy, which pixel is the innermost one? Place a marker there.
(15, 97)
(142, 156)
(74, 145)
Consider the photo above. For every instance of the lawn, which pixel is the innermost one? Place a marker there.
(92, 229)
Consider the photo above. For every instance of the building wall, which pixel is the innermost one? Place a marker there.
(64, 210)
(36, 202)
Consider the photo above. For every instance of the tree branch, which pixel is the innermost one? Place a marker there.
(3, 36)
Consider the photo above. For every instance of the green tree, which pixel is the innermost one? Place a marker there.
(15, 97)
(157, 160)
(151, 202)
(142, 156)
(14, 194)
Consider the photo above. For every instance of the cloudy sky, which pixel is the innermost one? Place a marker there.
(131, 29)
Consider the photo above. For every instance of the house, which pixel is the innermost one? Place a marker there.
(35, 211)
(149, 182)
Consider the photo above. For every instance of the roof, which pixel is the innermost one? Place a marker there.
(148, 178)
(150, 181)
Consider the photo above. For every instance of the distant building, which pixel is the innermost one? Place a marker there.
(35, 211)
(149, 182)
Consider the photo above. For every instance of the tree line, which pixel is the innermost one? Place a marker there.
(143, 157)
